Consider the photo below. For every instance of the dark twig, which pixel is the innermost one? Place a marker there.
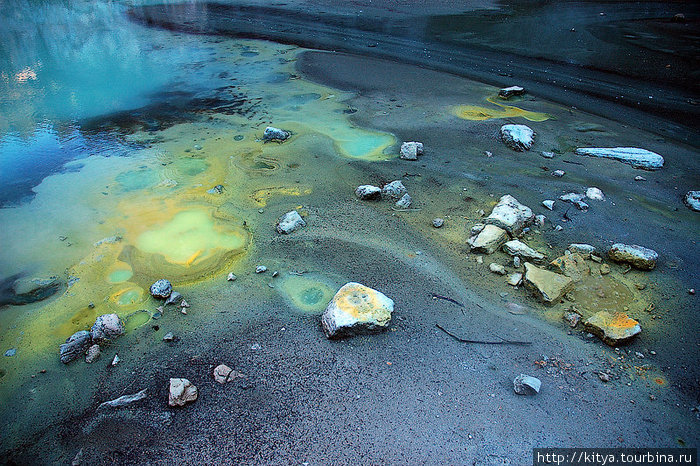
(503, 342)
(566, 214)
(572, 162)
(437, 296)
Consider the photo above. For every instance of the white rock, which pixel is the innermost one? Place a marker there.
(571, 197)
(356, 309)
(584, 249)
(275, 134)
(518, 248)
(508, 92)
(93, 354)
(639, 178)
(438, 222)
(231, 277)
(411, 150)
(558, 173)
(637, 256)
(223, 374)
(367, 192)
(394, 190)
(289, 222)
(548, 286)
(497, 268)
(107, 327)
(548, 204)
(124, 400)
(692, 200)
(595, 194)
(516, 261)
(510, 215)
(638, 158)
(488, 240)
(514, 279)
(547, 155)
(116, 360)
(526, 385)
(181, 392)
(517, 137)
(539, 220)
(260, 269)
(477, 228)
(404, 202)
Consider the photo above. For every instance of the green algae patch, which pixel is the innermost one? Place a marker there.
(136, 319)
(479, 113)
(136, 180)
(308, 293)
(128, 296)
(363, 144)
(119, 273)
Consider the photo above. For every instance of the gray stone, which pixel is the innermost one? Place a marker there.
(518, 248)
(109, 240)
(275, 134)
(394, 190)
(411, 150)
(11, 352)
(497, 268)
(223, 374)
(260, 269)
(517, 137)
(161, 289)
(572, 318)
(595, 194)
(124, 400)
(549, 204)
(508, 92)
(488, 240)
(526, 385)
(405, 202)
(638, 158)
(637, 256)
(93, 354)
(438, 222)
(289, 222)
(584, 249)
(477, 228)
(558, 173)
(116, 360)
(356, 309)
(692, 200)
(168, 336)
(548, 286)
(218, 189)
(547, 155)
(367, 192)
(75, 346)
(107, 327)
(510, 215)
(539, 220)
(571, 197)
(175, 298)
(231, 277)
(181, 392)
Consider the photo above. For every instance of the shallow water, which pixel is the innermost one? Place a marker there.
(113, 138)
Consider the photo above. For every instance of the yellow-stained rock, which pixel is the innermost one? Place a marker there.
(548, 286)
(356, 309)
(572, 265)
(613, 328)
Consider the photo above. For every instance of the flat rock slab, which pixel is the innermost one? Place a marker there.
(613, 328)
(356, 309)
(289, 222)
(638, 158)
(488, 240)
(124, 400)
(637, 256)
(572, 265)
(517, 137)
(548, 286)
(518, 248)
(510, 215)
(526, 385)
(181, 392)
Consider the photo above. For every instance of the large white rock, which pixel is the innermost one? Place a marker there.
(275, 134)
(518, 248)
(181, 392)
(510, 215)
(107, 327)
(488, 240)
(356, 309)
(367, 192)
(290, 222)
(638, 158)
(548, 286)
(394, 190)
(637, 256)
(517, 137)
(411, 150)
(526, 385)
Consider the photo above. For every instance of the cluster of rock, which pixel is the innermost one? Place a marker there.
(106, 328)
(394, 191)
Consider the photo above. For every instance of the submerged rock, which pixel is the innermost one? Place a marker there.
(518, 248)
(289, 222)
(26, 291)
(356, 309)
(223, 374)
(517, 137)
(124, 400)
(638, 158)
(411, 150)
(614, 329)
(367, 192)
(75, 346)
(275, 134)
(93, 354)
(394, 190)
(107, 327)
(572, 265)
(526, 385)
(512, 91)
(488, 240)
(405, 202)
(181, 392)
(510, 215)
(692, 200)
(161, 289)
(548, 286)
(637, 256)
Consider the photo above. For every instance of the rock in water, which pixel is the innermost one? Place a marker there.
(517, 137)
(36, 289)
(290, 222)
(223, 374)
(614, 329)
(692, 200)
(405, 202)
(161, 289)
(275, 134)
(356, 309)
(638, 158)
(93, 354)
(107, 327)
(518, 248)
(637, 256)
(488, 240)
(510, 215)
(508, 92)
(572, 265)
(526, 385)
(181, 392)
(124, 400)
(395, 189)
(367, 192)
(75, 346)
(411, 150)
(548, 286)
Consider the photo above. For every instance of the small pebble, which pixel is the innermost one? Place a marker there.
(275, 273)
(691, 291)
(169, 336)
(639, 178)
(558, 228)
(438, 222)
(260, 269)
(231, 277)
(558, 173)
(603, 376)
(184, 304)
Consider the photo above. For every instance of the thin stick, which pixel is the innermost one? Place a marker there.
(437, 296)
(572, 162)
(504, 342)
